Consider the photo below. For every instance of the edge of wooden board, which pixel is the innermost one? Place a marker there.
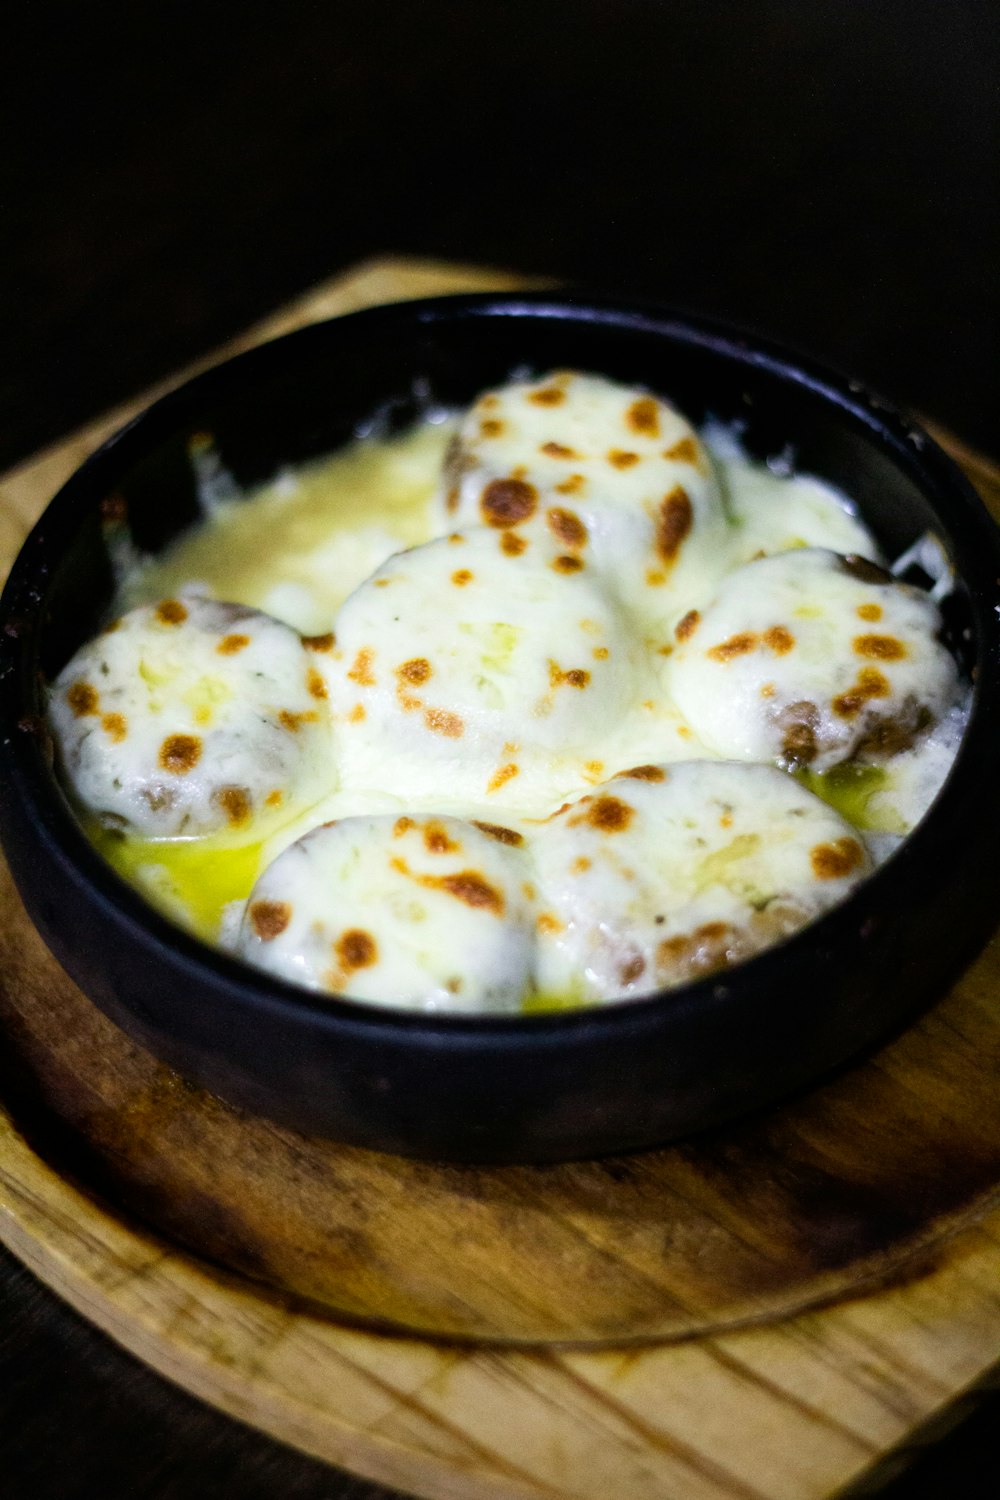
(744, 1416)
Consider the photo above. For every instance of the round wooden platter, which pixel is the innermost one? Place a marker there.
(660, 1325)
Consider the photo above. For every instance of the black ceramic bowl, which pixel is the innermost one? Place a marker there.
(540, 1087)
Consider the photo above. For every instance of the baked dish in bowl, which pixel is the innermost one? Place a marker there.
(506, 728)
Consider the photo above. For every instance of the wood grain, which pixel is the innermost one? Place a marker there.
(866, 1177)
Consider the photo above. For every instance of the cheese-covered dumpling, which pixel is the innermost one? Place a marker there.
(469, 667)
(809, 658)
(431, 913)
(670, 872)
(190, 716)
(613, 473)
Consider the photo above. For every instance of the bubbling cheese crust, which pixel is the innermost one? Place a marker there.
(668, 873)
(472, 666)
(430, 913)
(189, 717)
(808, 659)
(614, 474)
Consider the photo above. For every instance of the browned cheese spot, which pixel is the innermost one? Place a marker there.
(356, 714)
(601, 653)
(115, 625)
(83, 699)
(567, 564)
(674, 524)
(871, 612)
(779, 640)
(294, 722)
(319, 642)
(688, 625)
(557, 450)
(862, 569)
(501, 776)
(361, 672)
(870, 684)
(594, 769)
(643, 416)
(655, 578)
(575, 677)
(880, 647)
(180, 753)
(632, 969)
(549, 395)
(621, 458)
(451, 499)
(609, 814)
(645, 773)
(501, 834)
(356, 949)
(275, 798)
(269, 918)
(491, 427)
(737, 645)
(236, 803)
(512, 545)
(580, 866)
(171, 612)
(508, 502)
(547, 921)
(561, 810)
(415, 671)
(231, 645)
(726, 821)
(315, 684)
(437, 839)
(461, 577)
(456, 538)
(401, 826)
(471, 888)
(684, 451)
(440, 721)
(768, 690)
(115, 727)
(567, 527)
(571, 486)
(837, 860)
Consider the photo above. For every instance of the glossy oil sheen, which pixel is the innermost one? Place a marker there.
(535, 1087)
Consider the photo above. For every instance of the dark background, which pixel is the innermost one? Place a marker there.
(823, 173)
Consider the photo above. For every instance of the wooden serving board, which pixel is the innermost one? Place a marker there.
(768, 1311)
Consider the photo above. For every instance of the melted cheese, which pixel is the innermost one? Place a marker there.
(489, 671)
(519, 616)
(429, 912)
(676, 871)
(808, 659)
(189, 717)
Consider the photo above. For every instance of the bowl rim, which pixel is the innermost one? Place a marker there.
(29, 777)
